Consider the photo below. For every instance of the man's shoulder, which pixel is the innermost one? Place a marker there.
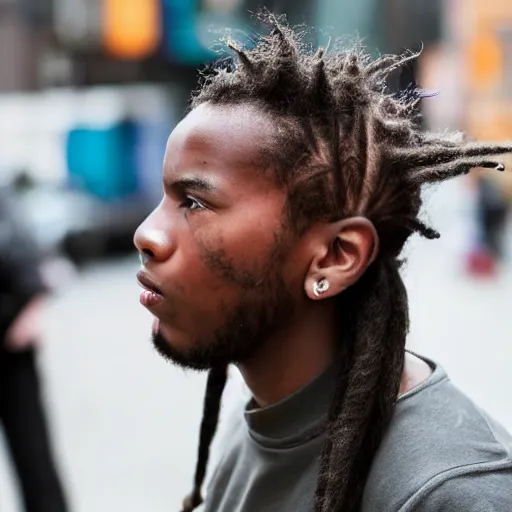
(437, 434)
(470, 490)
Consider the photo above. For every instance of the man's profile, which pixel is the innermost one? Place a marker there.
(290, 190)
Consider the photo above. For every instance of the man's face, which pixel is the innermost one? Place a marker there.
(217, 246)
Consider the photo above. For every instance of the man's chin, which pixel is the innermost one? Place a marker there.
(191, 359)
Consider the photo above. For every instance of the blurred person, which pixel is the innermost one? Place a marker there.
(22, 303)
(290, 190)
(492, 209)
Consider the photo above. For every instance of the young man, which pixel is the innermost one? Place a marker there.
(290, 190)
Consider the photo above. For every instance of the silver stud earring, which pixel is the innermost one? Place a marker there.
(320, 287)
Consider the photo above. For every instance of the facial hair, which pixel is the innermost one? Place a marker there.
(264, 305)
(245, 328)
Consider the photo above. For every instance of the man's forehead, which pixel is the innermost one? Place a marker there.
(234, 135)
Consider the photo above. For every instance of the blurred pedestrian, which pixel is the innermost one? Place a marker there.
(23, 295)
(492, 210)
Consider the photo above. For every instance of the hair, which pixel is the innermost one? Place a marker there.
(345, 146)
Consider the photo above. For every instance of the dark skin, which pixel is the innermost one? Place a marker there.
(221, 254)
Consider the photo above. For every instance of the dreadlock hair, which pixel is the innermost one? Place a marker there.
(344, 147)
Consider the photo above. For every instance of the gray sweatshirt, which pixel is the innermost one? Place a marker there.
(441, 453)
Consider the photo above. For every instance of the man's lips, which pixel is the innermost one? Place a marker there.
(150, 299)
(147, 283)
(151, 294)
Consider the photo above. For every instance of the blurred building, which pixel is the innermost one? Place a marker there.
(83, 42)
(471, 65)
(93, 87)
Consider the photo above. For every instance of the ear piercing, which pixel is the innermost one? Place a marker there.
(320, 287)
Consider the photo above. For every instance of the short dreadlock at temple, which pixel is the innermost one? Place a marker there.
(344, 147)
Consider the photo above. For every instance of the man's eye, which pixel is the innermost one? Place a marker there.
(192, 204)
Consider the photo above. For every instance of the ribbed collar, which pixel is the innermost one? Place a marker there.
(297, 416)
(301, 416)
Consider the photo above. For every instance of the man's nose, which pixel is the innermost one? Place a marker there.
(153, 240)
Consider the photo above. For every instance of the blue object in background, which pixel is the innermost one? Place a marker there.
(193, 29)
(102, 161)
(180, 40)
(150, 151)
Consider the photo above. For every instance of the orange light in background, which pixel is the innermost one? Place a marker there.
(131, 28)
(485, 61)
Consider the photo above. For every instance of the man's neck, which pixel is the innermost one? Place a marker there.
(292, 358)
(297, 355)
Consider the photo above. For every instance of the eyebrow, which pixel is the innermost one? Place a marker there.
(191, 184)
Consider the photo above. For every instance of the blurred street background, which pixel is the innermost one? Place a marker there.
(89, 92)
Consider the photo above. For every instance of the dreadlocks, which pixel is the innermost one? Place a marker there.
(344, 147)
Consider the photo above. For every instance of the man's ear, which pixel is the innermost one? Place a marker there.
(342, 251)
